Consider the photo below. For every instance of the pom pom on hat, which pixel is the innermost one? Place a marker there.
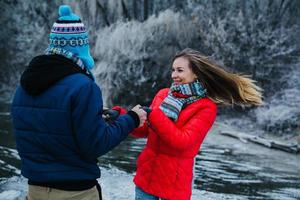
(65, 13)
(69, 33)
(64, 10)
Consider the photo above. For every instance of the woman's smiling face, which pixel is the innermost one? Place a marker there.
(182, 72)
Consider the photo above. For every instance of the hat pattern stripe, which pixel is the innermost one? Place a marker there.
(68, 25)
(68, 21)
(68, 30)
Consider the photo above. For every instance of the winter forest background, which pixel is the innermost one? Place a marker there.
(133, 42)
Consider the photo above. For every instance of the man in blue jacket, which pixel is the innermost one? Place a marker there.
(57, 117)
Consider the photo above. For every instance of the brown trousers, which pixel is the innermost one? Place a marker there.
(46, 193)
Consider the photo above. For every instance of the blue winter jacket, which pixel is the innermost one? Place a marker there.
(60, 131)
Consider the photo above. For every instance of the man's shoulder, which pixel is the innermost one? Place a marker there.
(77, 80)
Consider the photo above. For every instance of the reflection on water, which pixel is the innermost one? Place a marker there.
(240, 174)
(124, 156)
(224, 165)
(220, 169)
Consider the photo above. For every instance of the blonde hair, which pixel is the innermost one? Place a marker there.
(223, 87)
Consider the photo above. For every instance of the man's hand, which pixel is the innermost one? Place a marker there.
(141, 113)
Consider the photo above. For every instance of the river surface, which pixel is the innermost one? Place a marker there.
(226, 168)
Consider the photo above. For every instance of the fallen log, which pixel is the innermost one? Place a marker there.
(288, 147)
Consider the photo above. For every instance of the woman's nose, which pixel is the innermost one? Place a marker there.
(174, 74)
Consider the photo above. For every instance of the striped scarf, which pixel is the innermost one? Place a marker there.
(180, 96)
(69, 55)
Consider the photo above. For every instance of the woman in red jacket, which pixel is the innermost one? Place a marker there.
(180, 118)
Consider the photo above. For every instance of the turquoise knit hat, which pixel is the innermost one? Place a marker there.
(69, 33)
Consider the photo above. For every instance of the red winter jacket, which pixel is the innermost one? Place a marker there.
(165, 166)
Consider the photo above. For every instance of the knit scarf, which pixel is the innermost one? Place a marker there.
(180, 96)
(69, 55)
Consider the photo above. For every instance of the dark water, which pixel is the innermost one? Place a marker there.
(225, 168)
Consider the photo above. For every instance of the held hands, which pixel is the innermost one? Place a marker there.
(138, 109)
(110, 115)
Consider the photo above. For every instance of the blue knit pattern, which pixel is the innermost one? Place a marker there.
(172, 105)
(65, 53)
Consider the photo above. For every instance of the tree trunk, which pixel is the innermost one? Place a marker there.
(134, 5)
(145, 9)
(125, 11)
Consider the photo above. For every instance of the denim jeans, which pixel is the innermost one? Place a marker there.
(141, 195)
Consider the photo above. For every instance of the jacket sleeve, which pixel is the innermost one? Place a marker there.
(194, 131)
(94, 136)
(140, 132)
